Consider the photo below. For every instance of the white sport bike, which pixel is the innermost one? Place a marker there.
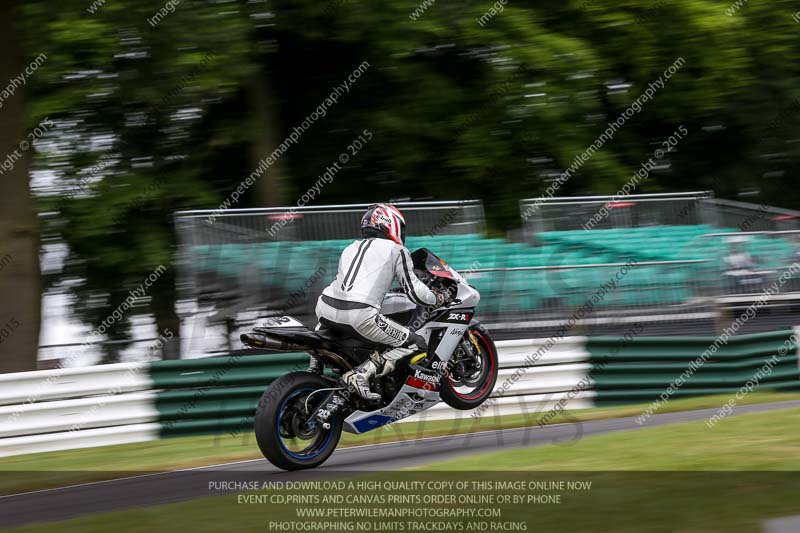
(301, 415)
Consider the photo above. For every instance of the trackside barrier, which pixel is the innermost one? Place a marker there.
(77, 414)
(87, 438)
(641, 369)
(115, 404)
(103, 405)
(63, 383)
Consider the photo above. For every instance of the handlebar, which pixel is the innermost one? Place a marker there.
(436, 284)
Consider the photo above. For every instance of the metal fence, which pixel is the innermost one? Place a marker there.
(234, 272)
(751, 217)
(240, 265)
(586, 299)
(606, 212)
(760, 272)
(749, 262)
(638, 210)
(694, 296)
(327, 222)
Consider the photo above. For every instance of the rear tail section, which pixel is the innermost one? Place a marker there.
(283, 334)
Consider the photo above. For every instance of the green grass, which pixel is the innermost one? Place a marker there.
(642, 480)
(700, 479)
(751, 442)
(43, 470)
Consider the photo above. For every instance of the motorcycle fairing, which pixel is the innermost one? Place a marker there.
(421, 388)
(416, 395)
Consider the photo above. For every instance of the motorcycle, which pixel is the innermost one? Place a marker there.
(300, 417)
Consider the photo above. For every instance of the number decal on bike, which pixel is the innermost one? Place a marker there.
(283, 322)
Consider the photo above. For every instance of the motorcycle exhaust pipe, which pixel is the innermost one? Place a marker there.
(260, 340)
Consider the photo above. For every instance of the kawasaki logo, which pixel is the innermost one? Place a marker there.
(430, 378)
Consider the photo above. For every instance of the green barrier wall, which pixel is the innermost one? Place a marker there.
(220, 394)
(215, 394)
(639, 370)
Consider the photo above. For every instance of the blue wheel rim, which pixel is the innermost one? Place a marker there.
(300, 456)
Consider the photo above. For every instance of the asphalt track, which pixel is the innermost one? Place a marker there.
(168, 487)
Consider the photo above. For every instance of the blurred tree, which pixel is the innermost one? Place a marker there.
(270, 188)
(499, 111)
(154, 119)
(20, 288)
(143, 128)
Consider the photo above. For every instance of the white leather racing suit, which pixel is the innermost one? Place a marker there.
(366, 271)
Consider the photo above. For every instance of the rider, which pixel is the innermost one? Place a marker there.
(352, 303)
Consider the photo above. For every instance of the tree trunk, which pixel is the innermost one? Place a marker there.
(268, 189)
(20, 288)
(163, 298)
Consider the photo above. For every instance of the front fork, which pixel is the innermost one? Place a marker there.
(469, 345)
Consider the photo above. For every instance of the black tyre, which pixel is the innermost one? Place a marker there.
(470, 382)
(280, 423)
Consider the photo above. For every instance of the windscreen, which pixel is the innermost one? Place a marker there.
(426, 260)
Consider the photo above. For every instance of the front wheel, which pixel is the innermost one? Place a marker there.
(280, 423)
(472, 372)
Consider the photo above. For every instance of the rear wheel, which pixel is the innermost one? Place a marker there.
(472, 375)
(280, 423)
